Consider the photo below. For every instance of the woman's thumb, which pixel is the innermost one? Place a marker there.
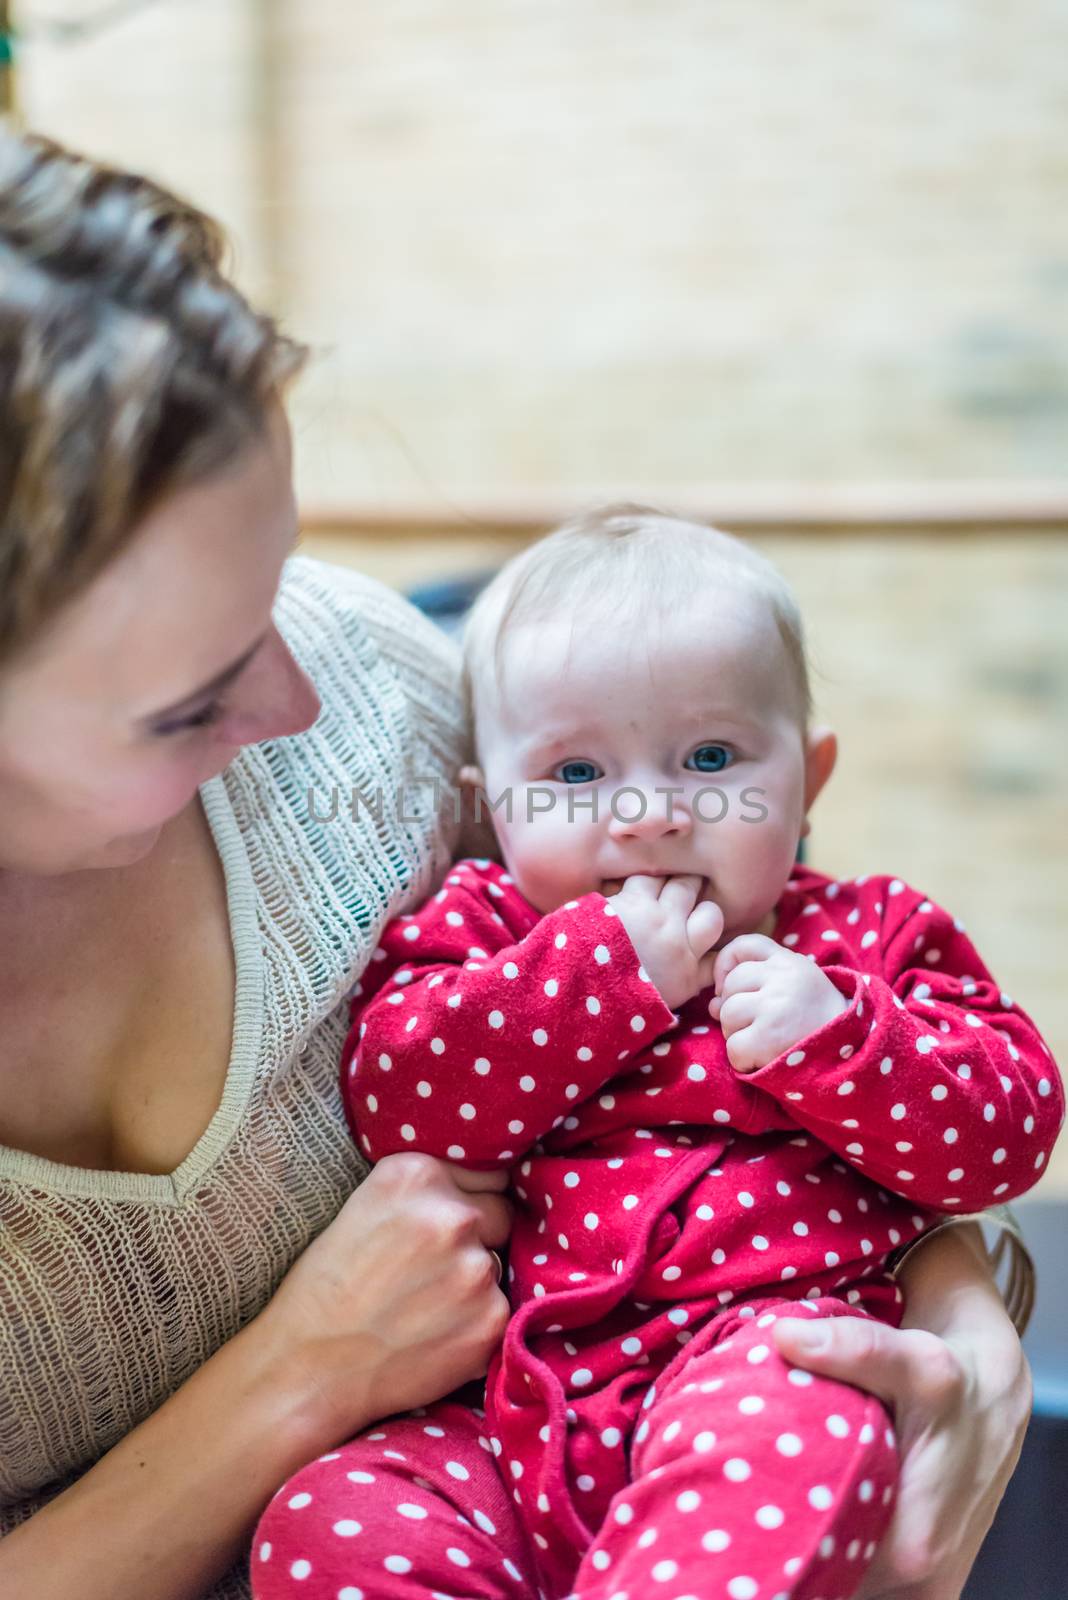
(889, 1362)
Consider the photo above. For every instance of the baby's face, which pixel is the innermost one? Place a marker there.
(703, 703)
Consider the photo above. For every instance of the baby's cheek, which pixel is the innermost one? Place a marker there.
(550, 858)
(757, 860)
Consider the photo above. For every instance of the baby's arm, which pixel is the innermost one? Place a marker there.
(470, 1040)
(929, 1079)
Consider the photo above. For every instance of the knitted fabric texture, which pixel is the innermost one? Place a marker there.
(115, 1287)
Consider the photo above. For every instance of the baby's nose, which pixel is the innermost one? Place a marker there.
(647, 814)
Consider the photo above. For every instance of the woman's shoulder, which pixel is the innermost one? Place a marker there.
(338, 822)
(342, 619)
(388, 679)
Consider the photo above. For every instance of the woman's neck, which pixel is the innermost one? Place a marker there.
(67, 900)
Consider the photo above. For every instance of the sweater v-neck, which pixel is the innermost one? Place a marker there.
(55, 1177)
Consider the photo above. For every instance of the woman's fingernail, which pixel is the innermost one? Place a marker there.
(809, 1338)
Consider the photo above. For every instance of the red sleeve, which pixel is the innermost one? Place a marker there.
(932, 1082)
(470, 1043)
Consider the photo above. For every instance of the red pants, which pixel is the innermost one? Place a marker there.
(750, 1480)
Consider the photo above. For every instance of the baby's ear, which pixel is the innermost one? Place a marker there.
(821, 753)
(477, 837)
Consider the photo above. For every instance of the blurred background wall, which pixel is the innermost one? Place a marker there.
(575, 243)
(801, 268)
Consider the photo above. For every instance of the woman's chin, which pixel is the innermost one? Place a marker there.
(124, 852)
(43, 859)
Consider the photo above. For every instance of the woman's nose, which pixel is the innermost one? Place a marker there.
(277, 696)
(640, 813)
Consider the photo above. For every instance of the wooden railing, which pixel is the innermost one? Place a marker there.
(949, 508)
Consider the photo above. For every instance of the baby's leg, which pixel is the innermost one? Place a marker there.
(751, 1479)
(414, 1509)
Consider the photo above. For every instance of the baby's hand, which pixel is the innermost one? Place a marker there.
(672, 934)
(767, 998)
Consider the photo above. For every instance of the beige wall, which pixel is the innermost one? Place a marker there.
(588, 244)
(171, 90)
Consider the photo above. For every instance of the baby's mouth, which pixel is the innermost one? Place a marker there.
(611, 886)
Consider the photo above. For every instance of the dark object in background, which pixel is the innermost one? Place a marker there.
(1025, 1556)
(446, 602)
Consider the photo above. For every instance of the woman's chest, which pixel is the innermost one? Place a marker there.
(111, 1299)
(115, 1029)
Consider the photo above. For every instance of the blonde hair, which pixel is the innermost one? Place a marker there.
(635, 559)
(129, 366)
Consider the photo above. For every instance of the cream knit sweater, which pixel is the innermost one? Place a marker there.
(116, 1286)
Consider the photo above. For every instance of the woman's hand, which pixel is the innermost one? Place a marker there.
(960, 1401)
(397, 1302)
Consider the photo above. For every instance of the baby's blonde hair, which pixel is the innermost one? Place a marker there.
(635, 559)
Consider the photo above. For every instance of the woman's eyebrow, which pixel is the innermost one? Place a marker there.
(227, 675)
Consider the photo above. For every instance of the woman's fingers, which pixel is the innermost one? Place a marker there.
(401, 1289)
(896, 1364)
(483, 1192)
(944, 1507)
(480, 1197)
(494, 1219)
(472, 1182)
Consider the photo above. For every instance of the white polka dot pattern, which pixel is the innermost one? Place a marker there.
(656, 1185)
(432, 1498)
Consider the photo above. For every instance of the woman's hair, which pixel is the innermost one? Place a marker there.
(632, 562)
(129, 367)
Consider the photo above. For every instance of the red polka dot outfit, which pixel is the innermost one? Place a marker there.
(642, 1437)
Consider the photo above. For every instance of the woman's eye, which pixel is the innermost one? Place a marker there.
(709, 758)
(198, 719)
(577, 772)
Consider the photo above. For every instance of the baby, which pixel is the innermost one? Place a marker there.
(729, 1088)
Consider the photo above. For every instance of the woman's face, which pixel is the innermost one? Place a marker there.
(148, 683)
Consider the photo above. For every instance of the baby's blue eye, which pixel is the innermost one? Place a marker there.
(709, 758)
(577, 772)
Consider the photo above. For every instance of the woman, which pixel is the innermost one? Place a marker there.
(193, 1300)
